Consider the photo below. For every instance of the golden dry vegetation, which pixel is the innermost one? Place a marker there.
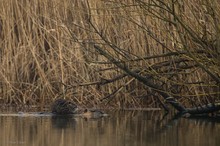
(47, 51)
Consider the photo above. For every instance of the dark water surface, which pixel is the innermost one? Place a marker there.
(120, 128)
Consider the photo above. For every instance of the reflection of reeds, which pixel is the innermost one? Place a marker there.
(40, 60)
(121, 128)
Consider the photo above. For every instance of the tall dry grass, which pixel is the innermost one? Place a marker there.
(47, 52)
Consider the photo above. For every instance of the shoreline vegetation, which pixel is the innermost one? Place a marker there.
(111, 54)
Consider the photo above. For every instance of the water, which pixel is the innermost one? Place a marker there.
(120, 128)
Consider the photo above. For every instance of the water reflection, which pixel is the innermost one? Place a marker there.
(63, 122)
(130, 128)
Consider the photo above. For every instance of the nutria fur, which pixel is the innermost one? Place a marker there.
(63, 107)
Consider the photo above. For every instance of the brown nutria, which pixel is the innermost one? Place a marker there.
(63, 107)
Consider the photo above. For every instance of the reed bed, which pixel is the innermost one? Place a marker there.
(46, 49)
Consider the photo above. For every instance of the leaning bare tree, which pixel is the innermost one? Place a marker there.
(180, 50)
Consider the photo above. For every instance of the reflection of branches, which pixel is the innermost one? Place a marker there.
(164, 123)
(171, 120)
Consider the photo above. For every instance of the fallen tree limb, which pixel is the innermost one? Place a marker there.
(144, 80)
(209, 108)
